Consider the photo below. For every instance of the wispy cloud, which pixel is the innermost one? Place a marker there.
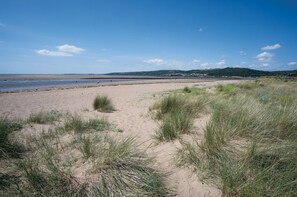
(70, 49)
(156, 61)
(221, 63)
(200, 29)
(264, 57)
(242, 53)
(205, 64)
(196, 61)
(265, 65)
(292, 63)
(65, 50)
(271, 47)
(53, 53)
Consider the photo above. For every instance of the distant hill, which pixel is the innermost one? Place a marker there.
(218, 72)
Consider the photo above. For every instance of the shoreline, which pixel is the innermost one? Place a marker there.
(132, 102)
(118, 83)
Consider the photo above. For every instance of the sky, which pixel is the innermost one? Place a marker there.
(102, 36)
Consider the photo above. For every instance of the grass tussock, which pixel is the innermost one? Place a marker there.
(249, 147)
(173, 125)
(177, 113)
(44, 117)
(103, 104)
(8, 147)
(187, 90)
(194, 91)
(51, 181)
(125, 171)
(116, 168)
(78, 125)
(79, 163)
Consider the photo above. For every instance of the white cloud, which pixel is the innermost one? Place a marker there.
(53, 53)
(264, 57)
(196, 61)
(103, 60)
(271, 47)
(242, 53)
(205, 64)
(63, 51)
(265, 65)
(252, 66)
(2, 25)
(221, 63)
(70, 48)
(155, 61)
(292, 63)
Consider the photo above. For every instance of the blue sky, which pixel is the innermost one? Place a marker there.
(101, 36)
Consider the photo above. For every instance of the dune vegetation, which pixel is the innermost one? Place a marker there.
(74, 157)
(249, 146)
(103, 104)
(176, 112)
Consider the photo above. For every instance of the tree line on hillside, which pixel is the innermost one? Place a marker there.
(218, 72)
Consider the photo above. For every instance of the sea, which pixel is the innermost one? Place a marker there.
(18, 84)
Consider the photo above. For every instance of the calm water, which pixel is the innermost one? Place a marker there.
(29, 84)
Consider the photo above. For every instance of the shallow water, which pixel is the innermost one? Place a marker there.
(14, 84)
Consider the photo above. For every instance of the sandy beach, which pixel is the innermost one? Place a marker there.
(132, 102)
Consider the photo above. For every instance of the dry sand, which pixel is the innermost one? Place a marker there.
(132, 104)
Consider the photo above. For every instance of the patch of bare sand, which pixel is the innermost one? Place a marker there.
(132, 103)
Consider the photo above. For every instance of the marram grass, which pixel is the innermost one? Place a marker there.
(103, 104)
(249, 147)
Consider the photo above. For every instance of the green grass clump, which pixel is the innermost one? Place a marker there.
(173, 125)
(171, 103)
(175, 102)
(193, 91)
(9, 148)
(123, 170)
(103, 104)
(227, 89)
(44, 117)
(86, 147)
(52, 181)
(177, 113)
(249, 146)
(78, 125)
(115, 168)
(187, 90)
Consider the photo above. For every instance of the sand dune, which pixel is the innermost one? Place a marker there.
(132, 115)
